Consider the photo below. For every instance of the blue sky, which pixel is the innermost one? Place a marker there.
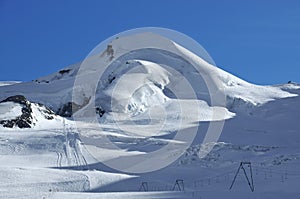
(257, 40)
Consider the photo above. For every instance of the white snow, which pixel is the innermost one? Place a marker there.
(41, 122)
(234, 87)
(10, 110)
(53, 159)
(7, 83)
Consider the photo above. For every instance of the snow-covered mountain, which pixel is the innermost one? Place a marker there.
(147, 99)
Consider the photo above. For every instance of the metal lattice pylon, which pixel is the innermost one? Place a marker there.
(250, 181)
(144, 186)
(179, 184)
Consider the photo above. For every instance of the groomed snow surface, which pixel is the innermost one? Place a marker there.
(53, 158)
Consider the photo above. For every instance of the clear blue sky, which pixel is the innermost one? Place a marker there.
(257, 40)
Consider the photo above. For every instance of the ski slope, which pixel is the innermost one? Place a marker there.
(148, 96)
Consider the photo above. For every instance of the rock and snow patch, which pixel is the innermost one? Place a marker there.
(18, 112)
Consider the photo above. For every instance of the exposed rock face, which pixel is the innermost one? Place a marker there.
(25, 119)
(100, 111)
(30, 113)
(68, 109)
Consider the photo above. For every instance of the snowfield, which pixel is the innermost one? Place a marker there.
(148, 100)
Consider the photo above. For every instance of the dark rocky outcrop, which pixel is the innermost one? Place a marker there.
(100, 111)
(69, 108)
(63, 71)
(25, 119)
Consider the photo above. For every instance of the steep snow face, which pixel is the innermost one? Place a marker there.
(139, 96)
(139, 89)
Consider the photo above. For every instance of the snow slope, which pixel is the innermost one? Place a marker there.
(147, 96)
(10, 110)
